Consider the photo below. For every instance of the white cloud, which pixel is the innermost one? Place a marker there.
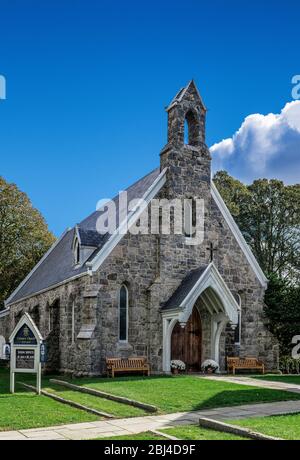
(264, 146)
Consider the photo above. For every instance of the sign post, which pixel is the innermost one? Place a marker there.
(26, 343)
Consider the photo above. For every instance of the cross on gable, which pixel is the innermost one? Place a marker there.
(211, 250)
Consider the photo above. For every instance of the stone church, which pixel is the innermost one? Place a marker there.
(121, 294)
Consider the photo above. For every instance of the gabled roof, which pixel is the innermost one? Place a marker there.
(207, 282)
(182, 92)
(184, 288)
(90, 238)
(57, 265)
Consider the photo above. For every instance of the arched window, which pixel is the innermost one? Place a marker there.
(123, 314)
(35, 315)
(189, 217)
(77, 252)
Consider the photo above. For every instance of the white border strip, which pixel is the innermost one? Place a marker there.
(238, 236)
(4, 313)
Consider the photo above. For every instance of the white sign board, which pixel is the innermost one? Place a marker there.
(25, 344)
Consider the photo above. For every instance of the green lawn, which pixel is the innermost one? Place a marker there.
(280, 426)
(27, 410)
(184, 393)
(194, 432)
(295, 379)
(94, 402)
(186, 433)
(146, 436)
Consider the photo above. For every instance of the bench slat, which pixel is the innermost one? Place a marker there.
(127, 364)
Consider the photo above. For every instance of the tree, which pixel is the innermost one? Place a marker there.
(24, 237)
(283, 311)
(268, 214)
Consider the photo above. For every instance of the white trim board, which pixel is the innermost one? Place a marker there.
(4, 312)
(52, 286)
(238, 236)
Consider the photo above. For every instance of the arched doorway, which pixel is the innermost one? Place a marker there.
(186, 343)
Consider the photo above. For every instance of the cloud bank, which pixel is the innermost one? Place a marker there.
(264, 146)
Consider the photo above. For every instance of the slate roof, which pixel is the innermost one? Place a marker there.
(184, 288)
(58, 266)
(90, 237)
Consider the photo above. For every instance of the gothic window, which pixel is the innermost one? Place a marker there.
(35, 315)
(237, 331)
(189, 217)
(77, 252)
(73, 323)
(123, 314)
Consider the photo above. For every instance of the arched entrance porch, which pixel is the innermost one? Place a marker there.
(205, 291)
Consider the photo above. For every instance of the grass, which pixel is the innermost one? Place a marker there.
(146, 436)
(280, 426)
(94, 402)
(25, 409)
(194, 432)
(169, 394)
(185, 393)
(294, 379)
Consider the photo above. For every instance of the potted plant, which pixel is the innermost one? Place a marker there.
(209, 366)
(177, 366)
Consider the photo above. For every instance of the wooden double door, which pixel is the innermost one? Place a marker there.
(186, 343)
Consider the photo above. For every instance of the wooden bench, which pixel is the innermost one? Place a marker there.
(244, 363)
(114, 365)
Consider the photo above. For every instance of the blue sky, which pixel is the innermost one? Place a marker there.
(87, 83)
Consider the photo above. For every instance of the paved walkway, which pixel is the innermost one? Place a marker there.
(120, 427)
(256, 382)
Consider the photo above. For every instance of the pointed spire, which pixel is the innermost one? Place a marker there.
(191, 86)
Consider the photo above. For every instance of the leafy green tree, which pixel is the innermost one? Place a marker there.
(268, 214)
(24, 237)
(283, 311)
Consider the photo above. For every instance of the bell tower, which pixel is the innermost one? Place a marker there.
(186, 155)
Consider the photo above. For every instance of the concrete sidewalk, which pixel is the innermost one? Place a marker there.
(120, 427)
(294, 388)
